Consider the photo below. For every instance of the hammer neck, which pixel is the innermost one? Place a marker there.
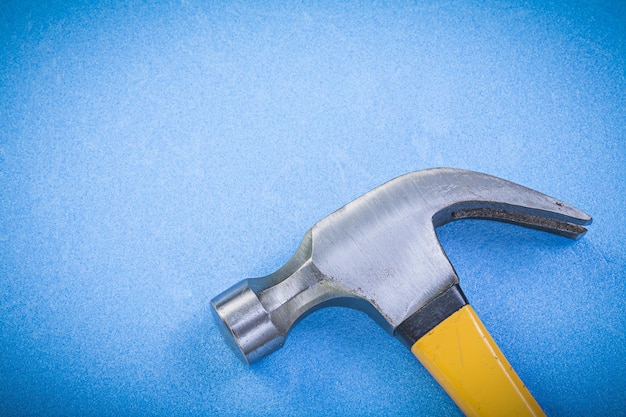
(288, 299)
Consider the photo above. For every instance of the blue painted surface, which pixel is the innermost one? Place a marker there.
(151, 155)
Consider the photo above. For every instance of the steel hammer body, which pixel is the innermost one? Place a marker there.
(380, 254)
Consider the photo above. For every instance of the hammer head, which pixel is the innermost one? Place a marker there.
(380, 254)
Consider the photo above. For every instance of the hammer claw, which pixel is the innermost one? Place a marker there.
(562, 225)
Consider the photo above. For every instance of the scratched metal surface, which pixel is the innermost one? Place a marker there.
(152, 155)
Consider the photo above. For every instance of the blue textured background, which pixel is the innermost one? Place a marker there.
(154, 153)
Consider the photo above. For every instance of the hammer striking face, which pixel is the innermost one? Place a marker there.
(380, 254)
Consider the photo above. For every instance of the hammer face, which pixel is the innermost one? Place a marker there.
(245, 323)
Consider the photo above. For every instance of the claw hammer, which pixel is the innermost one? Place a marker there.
(380, 254)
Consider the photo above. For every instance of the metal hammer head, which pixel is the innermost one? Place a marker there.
(380, 254)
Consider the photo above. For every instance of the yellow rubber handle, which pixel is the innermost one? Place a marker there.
(467, 363)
